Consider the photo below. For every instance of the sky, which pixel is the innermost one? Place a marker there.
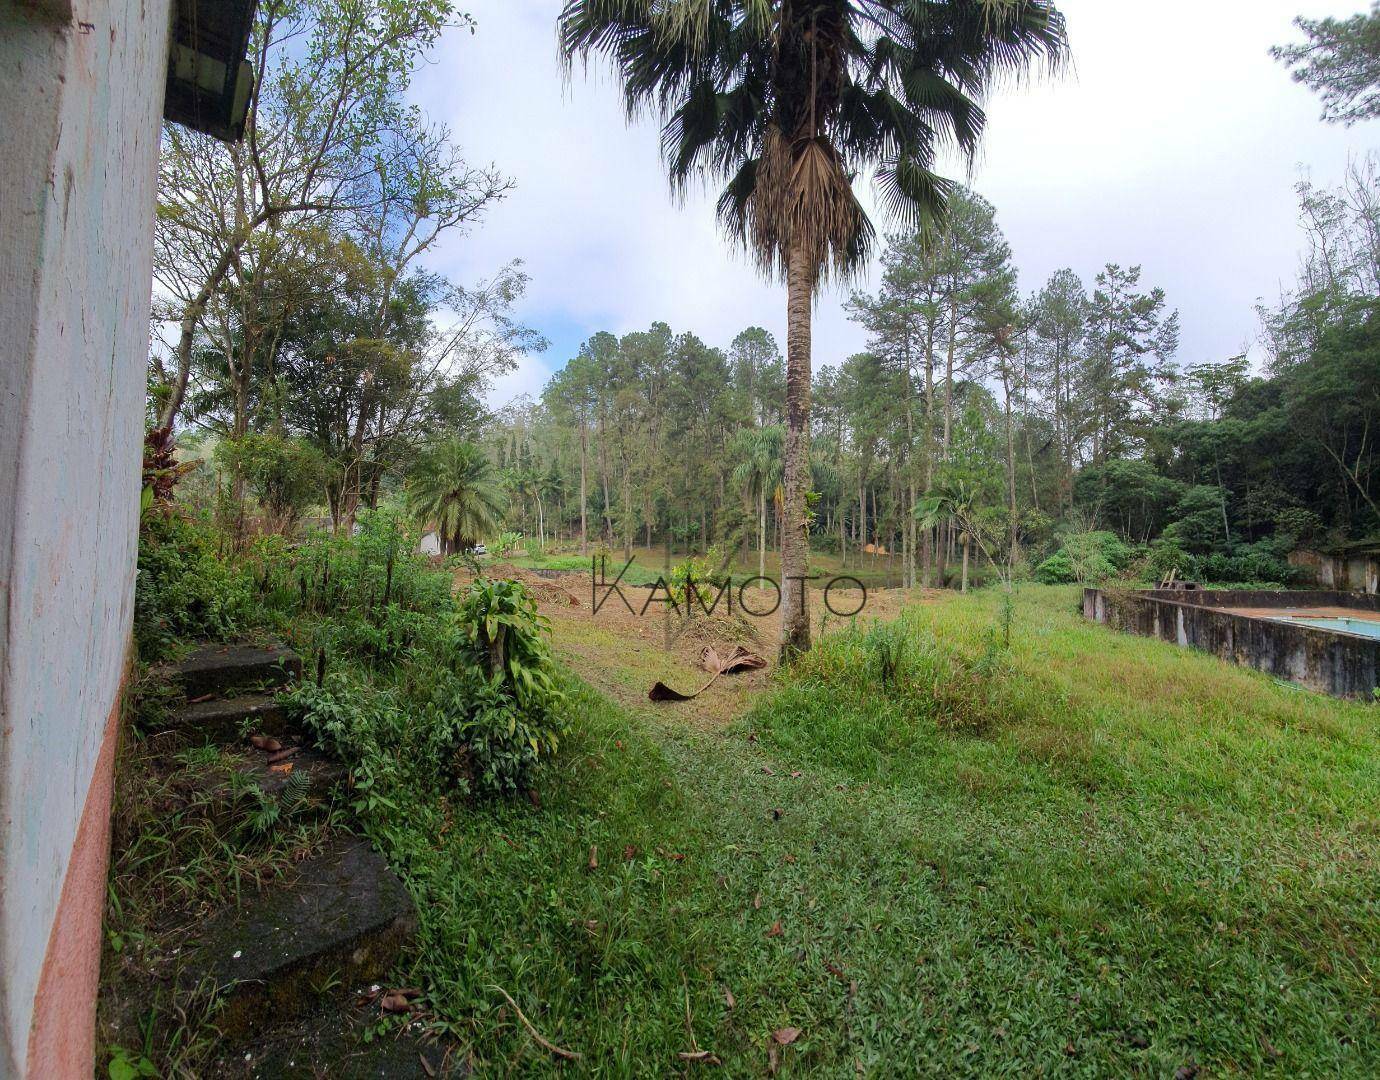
(1174, 142)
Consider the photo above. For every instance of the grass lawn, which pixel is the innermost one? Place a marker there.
(1082, 854)
(871, 570)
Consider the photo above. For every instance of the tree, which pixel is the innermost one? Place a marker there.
(453, 489)
(324, 111)
(759, 472)
(785, 102)
(1341, 62)
(1131, 345)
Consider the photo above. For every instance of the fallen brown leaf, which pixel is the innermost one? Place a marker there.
(594, 857)
(775, 930)
(427, 1066)
(702, 1057)
(629, 853)
(785, 1036)
(284, 768)
(728, 998)
(282, 755)
(265, 742)
(757, 902)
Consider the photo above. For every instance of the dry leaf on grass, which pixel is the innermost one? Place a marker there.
(400, 1000)
(785, 1036)
(702, 1057)
(775, 930)
(265, 742)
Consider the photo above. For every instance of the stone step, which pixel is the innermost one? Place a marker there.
(221, 669)
(226, 720)
(324, 774)
(332, 1044)
(225, 798)
(338, 923)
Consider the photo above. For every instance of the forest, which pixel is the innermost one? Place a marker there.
(1013, 425)
(1018, 421)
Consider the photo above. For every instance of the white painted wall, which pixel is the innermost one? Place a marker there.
(81, 94)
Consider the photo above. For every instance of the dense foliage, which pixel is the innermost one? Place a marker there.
(982, 422)
(415, 690)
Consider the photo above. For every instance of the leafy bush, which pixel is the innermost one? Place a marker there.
(183, 591)
(1088, 557)
(286, 475)
(1056, 570)
(514, 718)
(1166, 557)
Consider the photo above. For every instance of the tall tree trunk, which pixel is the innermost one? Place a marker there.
(762, 530)
(795, 533)
(1010, 464)
(963, 585)
(584, 487)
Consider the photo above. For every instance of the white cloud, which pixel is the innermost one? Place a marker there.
(1174, 143)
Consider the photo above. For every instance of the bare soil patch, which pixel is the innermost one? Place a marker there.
(625, 647)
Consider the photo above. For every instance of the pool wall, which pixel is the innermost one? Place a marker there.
(1334, 663)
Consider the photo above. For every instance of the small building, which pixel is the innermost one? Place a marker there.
(1351, 567)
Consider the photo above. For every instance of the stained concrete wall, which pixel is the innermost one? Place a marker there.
(81, 94)
(1339, 664)
(1356, 573)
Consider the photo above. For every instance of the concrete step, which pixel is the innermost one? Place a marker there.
(325, 775)
(226, 720)
(332, 1045)
(338, 923)
(222, 669)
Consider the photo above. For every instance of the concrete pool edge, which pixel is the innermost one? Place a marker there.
(1331, 662)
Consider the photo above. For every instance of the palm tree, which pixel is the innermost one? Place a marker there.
(453, 488)
(955, 501)
(759, 471)
(785, 101)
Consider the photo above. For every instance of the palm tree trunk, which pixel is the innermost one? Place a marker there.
(795, 536)
(762, 531)
(963, 586)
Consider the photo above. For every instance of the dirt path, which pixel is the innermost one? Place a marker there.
(622, 652)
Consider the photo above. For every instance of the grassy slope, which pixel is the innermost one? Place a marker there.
(648, 564)
(1091, 854)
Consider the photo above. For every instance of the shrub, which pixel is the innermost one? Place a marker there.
(1165, 557)
(514, 719)
(1088, 557)
(1056, 570)
(183, 591)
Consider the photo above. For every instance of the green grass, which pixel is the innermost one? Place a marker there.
(873, 571)
(1085, 854)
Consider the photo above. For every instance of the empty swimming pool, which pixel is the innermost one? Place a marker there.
(1364, 627)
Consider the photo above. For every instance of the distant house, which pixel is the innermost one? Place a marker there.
(430, 544)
